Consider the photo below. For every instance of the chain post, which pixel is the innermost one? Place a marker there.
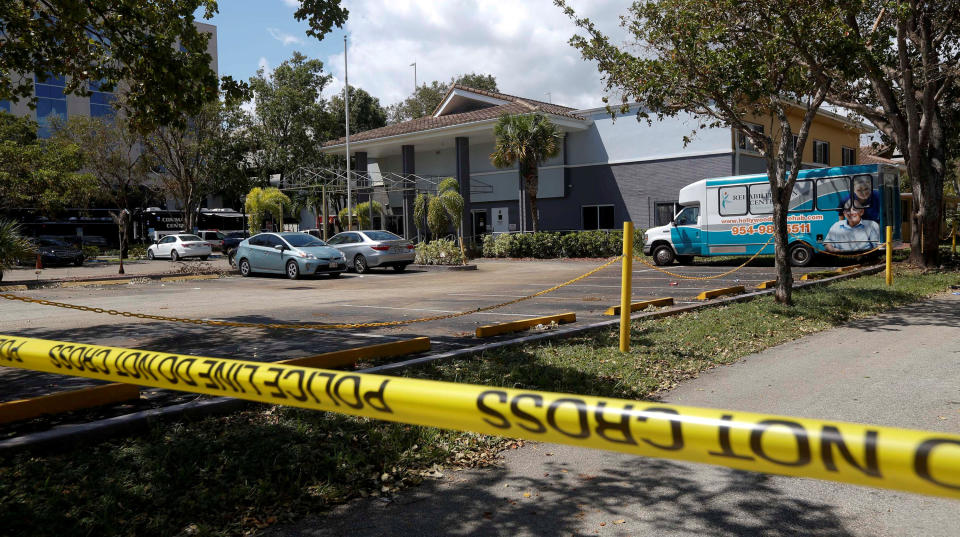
(625, 286)
(889, 255)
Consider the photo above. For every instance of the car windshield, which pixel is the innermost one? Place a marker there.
(189, 238)
(302, 240)
(381, 236)
(52, 242)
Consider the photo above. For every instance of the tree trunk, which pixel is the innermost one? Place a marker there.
(926, 218)
(532, 182)
(783, 292)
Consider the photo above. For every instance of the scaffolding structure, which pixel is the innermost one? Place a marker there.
(334, 181)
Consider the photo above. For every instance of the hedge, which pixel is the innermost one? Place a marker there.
(551, 244)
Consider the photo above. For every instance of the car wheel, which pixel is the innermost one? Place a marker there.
(174, 256)
(663, 255)
(78, 261)
(800, 255)
(150, 255)
(244, 267)
(293, 270)
(360, 264)
(399, 268)
(204, 257)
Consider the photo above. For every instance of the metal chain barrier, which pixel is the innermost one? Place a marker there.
(727, 273)
(860, 254)
(285, 326)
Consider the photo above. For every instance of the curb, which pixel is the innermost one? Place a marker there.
(138, 420)
(21, 285)
(442, 268)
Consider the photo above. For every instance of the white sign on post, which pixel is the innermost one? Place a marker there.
(501, 219)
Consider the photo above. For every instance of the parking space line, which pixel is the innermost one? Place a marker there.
(444, 311)
(510, 296)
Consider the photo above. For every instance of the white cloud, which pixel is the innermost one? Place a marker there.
(291, 3)
(523, 44)
(283, 37)
(262, 63)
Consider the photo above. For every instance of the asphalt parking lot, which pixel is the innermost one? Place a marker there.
(380, 296)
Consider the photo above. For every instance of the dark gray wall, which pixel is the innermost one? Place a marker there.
(631, 188)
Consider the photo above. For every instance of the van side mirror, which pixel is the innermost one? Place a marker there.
(673, 223)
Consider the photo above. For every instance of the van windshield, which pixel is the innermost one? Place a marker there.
(689, 216)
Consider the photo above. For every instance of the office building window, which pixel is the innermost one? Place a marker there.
(849, 156)
(597, 216)
(745, 142)
(51, 102)
(100, 101)
(663, 213)
(5, 106)
(821, 152)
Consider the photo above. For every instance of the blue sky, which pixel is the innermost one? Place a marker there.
(523, 44)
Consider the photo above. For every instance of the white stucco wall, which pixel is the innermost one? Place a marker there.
(624, 139)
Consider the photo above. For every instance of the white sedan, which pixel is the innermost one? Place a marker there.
(178, 247)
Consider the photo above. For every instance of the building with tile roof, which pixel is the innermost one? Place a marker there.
(611, 167)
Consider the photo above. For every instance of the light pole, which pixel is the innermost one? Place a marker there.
(414, 65)
(346, 115)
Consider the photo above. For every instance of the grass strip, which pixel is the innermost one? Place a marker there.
(232, 475)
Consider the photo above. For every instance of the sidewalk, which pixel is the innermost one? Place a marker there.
(898, 369)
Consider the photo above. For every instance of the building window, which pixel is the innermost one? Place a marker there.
(5, 106)
(663, 213)
(745, 142)
(849, 156)
(821, 152)
(597, 216)
(100, 101)
(51, 102)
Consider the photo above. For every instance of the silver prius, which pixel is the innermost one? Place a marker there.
(374, 248)
(293, 254)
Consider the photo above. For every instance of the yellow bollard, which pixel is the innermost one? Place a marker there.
(625, 286)
(889, 255)
(953, 247)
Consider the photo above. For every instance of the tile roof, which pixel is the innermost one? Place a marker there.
(514, 105)
(867, 155)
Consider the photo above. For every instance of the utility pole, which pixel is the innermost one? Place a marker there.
(414, 65)
(346, 115)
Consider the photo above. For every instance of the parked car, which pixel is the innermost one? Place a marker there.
(56, 252)
(95, 240)
(179, 246)
(215, 238)
(366, 249)
(233, 239)
(290, 253)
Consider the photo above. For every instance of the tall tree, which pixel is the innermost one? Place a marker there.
(287, 111)
(152, 49)
(43, 175)
(476, 81)
(905, 55)
(365, 113)
(262, 203)
(182, 153)
(527, 140)
(426, 98)
(113, 153)
(726, 62)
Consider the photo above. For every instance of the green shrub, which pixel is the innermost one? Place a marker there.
(137, 251)
(90, 251)
(551, 244)
(439, 252)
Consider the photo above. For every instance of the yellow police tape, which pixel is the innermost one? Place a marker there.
(915, 461)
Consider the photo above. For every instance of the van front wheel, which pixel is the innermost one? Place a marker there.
(663, 255)
(800, 255)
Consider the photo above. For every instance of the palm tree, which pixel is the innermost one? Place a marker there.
(441, 211)
(13, 245)
(361, 214)
(261, 202)
(529, 140)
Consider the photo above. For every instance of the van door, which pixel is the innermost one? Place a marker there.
(686, 233)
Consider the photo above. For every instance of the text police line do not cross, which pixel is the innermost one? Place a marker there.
(902, 459)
